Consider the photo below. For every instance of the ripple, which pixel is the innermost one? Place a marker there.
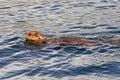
(55, 7)
(37, 7)
(105, 1)
(83, 27)
(15, 73)
(97, 69)
(90, 4)
(5, 7)
(105, 7)
(21, 21)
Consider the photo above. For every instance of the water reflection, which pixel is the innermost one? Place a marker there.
(32, 45)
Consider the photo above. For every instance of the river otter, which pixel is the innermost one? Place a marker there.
(39, 38)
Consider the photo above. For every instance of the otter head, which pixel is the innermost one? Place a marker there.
(34, 36)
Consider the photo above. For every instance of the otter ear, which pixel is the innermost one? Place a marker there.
(27, 33)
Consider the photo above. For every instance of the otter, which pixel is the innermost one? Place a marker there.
(39, 38)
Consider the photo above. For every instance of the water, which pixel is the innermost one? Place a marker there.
(98, 20)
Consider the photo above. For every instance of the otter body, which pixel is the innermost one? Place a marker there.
(38, 38)
(70, 41)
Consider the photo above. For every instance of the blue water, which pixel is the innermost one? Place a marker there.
(97, 20)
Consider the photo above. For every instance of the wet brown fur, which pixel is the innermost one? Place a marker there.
(38, 38)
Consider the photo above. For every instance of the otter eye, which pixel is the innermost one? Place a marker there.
(35, 34)
(30, 34)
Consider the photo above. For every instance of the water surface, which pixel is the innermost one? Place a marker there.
(97, 20)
